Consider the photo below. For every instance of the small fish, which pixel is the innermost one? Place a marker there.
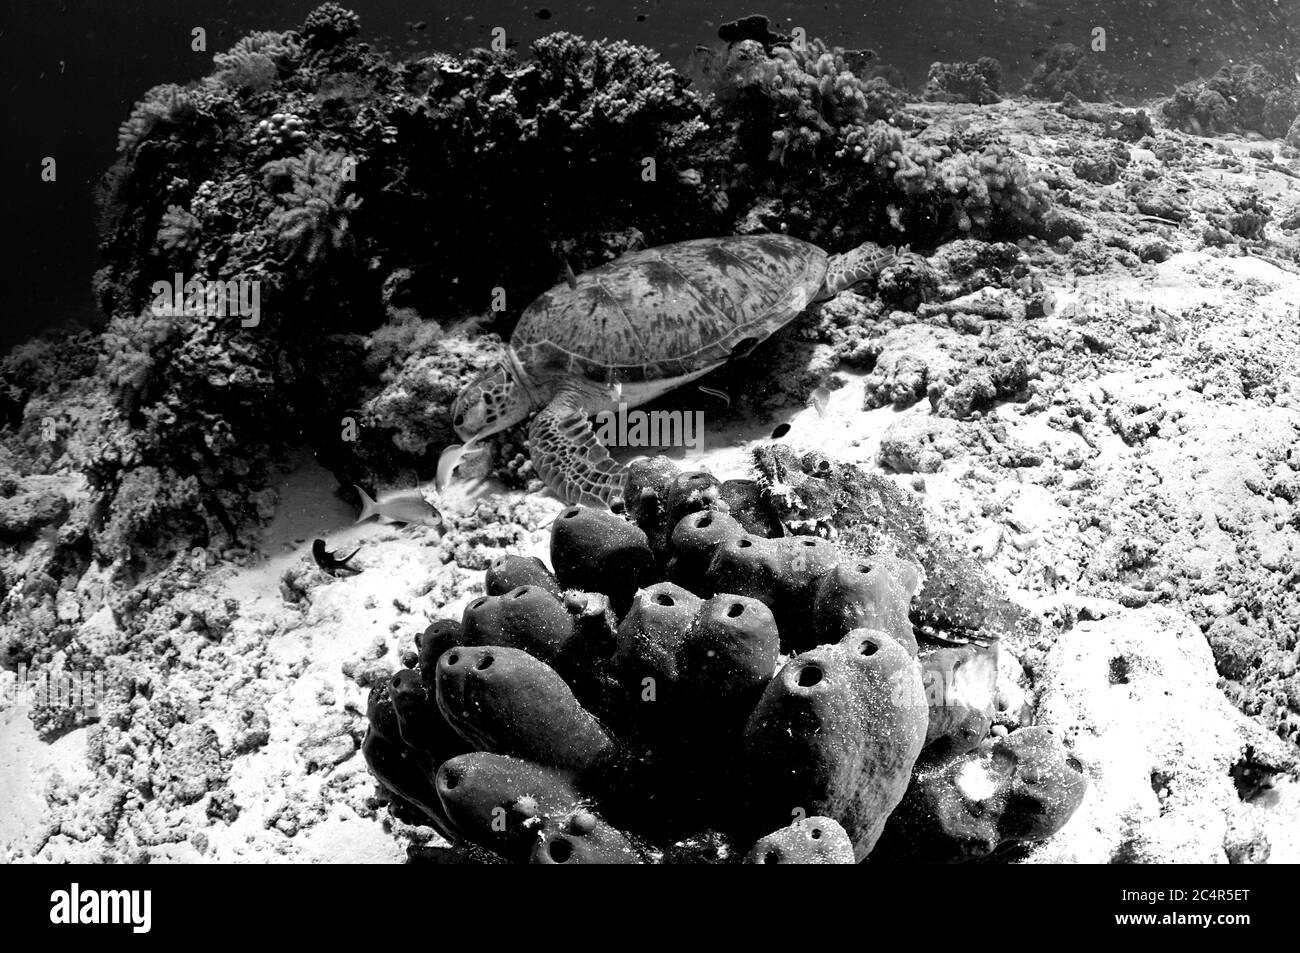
(399, 506)
(819, 399)
(714, 392)
(450, 459)
(329, 561)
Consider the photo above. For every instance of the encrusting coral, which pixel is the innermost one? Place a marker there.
(602, 714)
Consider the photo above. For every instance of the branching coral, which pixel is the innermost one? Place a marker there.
(180, 231)
(330, 25)
(493, 151)
(991, 189)
(591, 88)
(1067, 69)
(421, 379)
(149, 511)
(312, 221)
(132, 346)
(280, 131)
(979, 82)
(816, 88)
(827, 141)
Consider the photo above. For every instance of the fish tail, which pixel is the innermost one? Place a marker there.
(368, 506)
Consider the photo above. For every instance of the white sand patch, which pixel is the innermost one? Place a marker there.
(1158, 742)
(975, 783)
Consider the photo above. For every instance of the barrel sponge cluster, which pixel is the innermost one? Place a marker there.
(687, 684)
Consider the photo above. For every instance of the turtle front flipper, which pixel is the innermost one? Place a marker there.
(569, 458)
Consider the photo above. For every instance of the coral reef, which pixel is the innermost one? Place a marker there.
(330, 25)
(247, 58)
(1238, 98)
(755, 27)
(824, 143)
(1068, 70)
(247, 182)
(280, 131)
(1130, 125)
(979, 82)
(291, 168)
(613, 718)
(1047, 427)
(311, 224)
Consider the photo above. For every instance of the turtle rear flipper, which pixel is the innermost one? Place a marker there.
(569, 458)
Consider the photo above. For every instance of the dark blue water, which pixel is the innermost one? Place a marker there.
(71, 71)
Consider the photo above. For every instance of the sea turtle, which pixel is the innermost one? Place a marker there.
(637, 327)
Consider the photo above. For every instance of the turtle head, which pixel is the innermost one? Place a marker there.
(493, 401)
